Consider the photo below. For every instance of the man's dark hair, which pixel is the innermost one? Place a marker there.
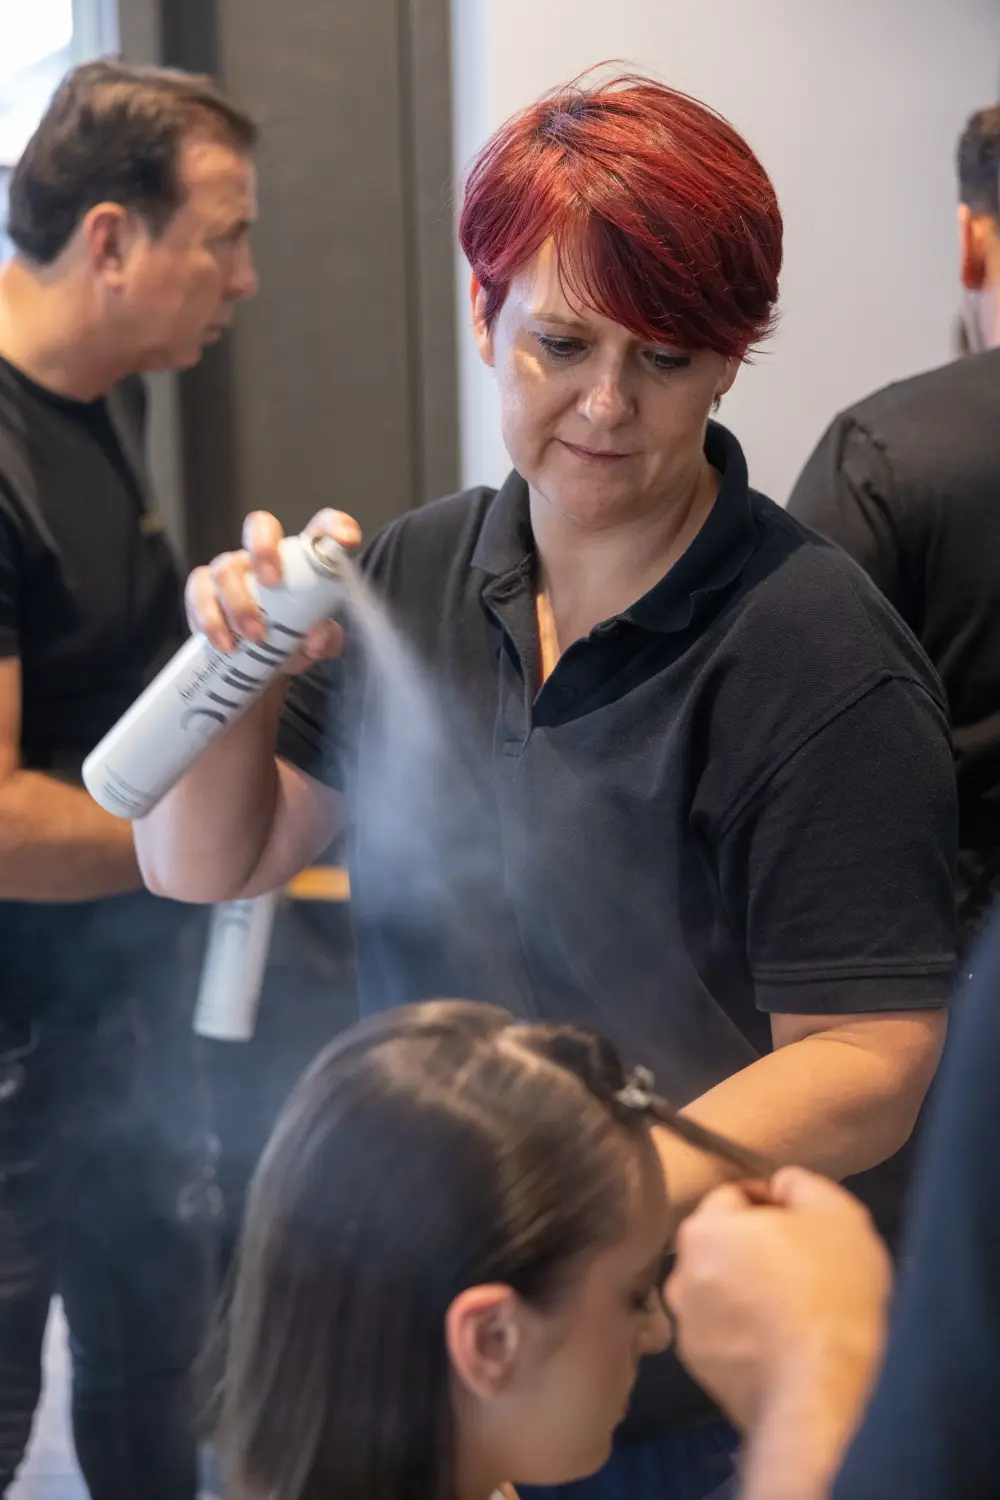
(979, 162)
(112, 134)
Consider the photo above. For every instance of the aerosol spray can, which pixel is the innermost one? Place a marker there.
(202, 691)
(232, 975)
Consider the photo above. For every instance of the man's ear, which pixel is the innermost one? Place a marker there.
(109, 233)
(973, 230)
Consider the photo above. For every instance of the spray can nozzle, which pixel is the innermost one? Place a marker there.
(327, 554)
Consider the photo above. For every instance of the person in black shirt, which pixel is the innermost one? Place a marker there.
(698, 791)
(783, 1311)
(906, 482)
(129, 212)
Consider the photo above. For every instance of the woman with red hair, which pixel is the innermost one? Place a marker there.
(702, 793)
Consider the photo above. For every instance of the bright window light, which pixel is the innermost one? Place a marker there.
(31, 32)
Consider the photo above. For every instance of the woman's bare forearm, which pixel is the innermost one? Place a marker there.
(838, 1101)
(240, 822)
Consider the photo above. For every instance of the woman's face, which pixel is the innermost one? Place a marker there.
(572, 1369)
(603, 427)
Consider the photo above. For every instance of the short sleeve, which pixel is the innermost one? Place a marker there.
(310, 732)
(841, 868)
(11, 575)
(846, 492)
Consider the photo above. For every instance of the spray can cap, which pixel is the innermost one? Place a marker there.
(325, 554)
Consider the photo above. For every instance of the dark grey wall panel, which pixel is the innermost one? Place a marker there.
(425, 29)
(139, 29)
(323, 403)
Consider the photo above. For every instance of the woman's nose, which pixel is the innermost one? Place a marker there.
(606, 401)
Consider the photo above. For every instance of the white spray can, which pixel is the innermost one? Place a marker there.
(232, 974)
(202, 691)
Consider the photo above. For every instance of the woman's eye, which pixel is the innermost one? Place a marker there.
(666, 362)
(560, 348)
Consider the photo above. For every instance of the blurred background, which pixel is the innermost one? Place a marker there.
(353, 379)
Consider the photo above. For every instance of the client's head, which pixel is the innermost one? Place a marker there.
(451, 1265)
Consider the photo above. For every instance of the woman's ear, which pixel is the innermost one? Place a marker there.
(483, 334)
(484, 1335)
(730, 370)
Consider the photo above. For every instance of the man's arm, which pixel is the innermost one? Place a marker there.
(781, 1308)
(848, 493)
(56, 844)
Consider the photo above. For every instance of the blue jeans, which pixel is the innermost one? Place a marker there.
(107, 1197)
(693, 1464)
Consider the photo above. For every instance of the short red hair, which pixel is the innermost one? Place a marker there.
(663, 218)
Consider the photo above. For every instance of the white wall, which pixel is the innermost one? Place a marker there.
(854, 107)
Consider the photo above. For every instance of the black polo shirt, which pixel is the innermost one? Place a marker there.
(91, 602)
(906, 482)
(736, 798)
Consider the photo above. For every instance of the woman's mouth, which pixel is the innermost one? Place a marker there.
(599, 457)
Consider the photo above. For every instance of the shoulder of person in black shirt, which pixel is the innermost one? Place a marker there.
(906, 482)
(895, 467)
(90, 592)
(931, 1430)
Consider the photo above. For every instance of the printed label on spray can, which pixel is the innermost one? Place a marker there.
(202, 691)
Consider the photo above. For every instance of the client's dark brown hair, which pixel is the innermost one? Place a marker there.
(428, 1150)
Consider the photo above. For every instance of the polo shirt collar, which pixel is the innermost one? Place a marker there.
(713, 561)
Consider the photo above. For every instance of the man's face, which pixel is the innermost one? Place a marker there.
(181, 287)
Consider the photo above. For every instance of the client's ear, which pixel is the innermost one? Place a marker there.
(484, 1336)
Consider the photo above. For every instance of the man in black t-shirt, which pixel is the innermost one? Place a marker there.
(129, 212)
(907, 483)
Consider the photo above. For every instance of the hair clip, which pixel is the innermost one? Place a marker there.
(637, 1094)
